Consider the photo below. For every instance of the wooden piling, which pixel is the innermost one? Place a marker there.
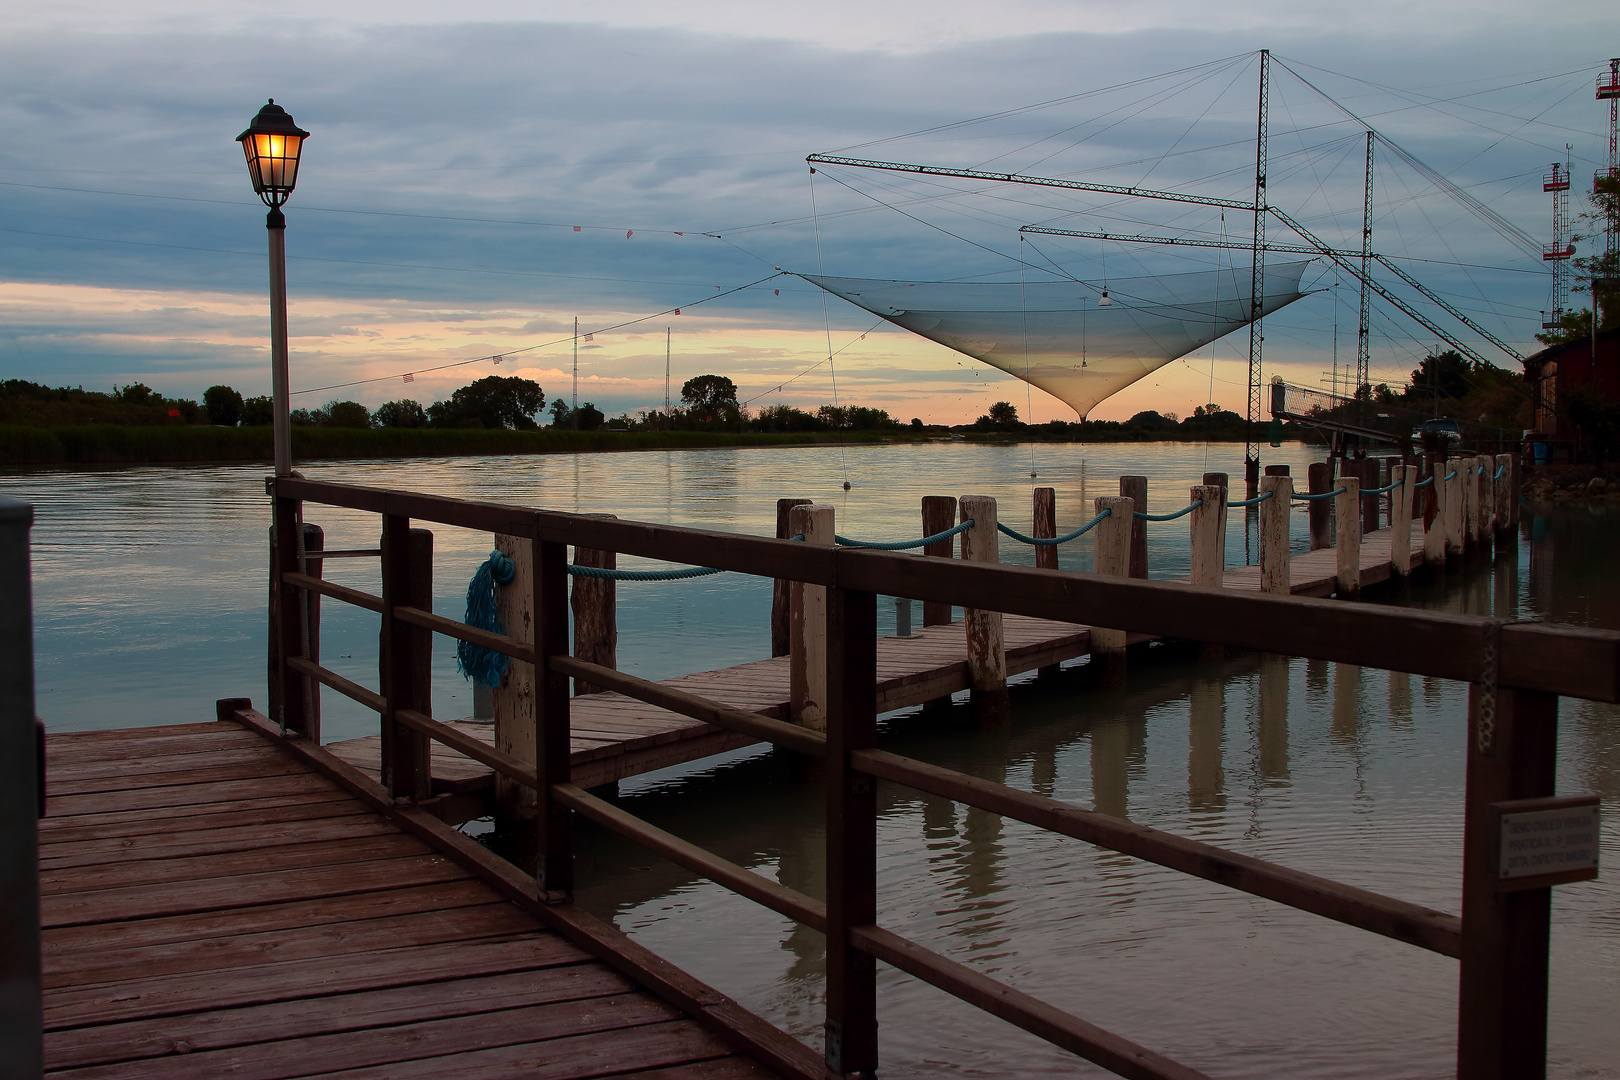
(1204, 528)
(986, 645)
(1400, 520)
(1515, 479)
(1390, 465)
(1319, 479)
(514, 699)
(1451, 472)
(1135, 488)
(1486, 502)
(938, 514)
(1367, 471)
(780, 635)
(1274, 556)
(1220, 480)
(1348, 546)
(595, 605)
(1046, 555)
(405, 656)
(1113, 559)
(1468, 474)
(807, 665)
(1504, 494)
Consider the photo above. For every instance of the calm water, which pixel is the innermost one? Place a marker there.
(149, 605)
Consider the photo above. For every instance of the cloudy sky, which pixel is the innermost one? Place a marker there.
(481, 174)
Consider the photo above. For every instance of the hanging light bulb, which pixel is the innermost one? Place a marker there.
(1106, 300)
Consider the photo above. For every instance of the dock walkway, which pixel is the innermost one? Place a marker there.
(213, 905)
(615, 737)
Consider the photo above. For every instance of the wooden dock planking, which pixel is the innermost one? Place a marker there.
(309, 936)
(614, 737)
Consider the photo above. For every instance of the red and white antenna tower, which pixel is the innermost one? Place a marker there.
(1559, 251)
(1608, 89)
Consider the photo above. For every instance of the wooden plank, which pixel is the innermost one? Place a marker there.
(180, 843)
(85, 881)
(203, 753)
(147, 901)
(678, 1042)
(388, 1046)
(122, 737)
(86, 967)
(221, 1028)
(62, 785)
(62, 942)
(181, 795)
(78, 1006)
(302, 807)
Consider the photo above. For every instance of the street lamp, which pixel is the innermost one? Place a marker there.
(272, 144)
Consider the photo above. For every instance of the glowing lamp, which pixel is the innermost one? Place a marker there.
(272, 145)
(1106, 300)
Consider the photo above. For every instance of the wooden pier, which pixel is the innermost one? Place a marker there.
(215, 904)
(615, 736)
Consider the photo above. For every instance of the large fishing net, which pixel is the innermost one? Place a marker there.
(1057, 336)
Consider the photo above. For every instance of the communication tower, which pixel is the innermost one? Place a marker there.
(1559, 251)
(1608, 89)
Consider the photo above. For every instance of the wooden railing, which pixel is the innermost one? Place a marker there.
(1517, 670)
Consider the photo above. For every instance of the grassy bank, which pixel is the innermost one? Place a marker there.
(109, 444)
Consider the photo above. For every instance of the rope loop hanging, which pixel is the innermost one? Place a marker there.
(904, 545)
(1183, 512)
(1256, 501)
(1323, 495)
(642, 575)
(485, 667)
(1053, 541)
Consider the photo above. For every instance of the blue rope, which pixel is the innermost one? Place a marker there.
(1500, 469)
(484, 666)
(1425, 480)
(1323, 495)
(1382, 490)
(1053, 541)
(903, 545)
(642, 575)
(1451, 475)
(1256, 501)
(1183, 512)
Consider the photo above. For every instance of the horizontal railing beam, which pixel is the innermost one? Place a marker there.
(762, 890)
(729, 717)
(337, 592)
(517, 650)
(348, 688)
(1113, 1052)
(1411, 923)
(471, 746)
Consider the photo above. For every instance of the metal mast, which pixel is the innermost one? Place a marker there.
(1559, 251)
(666, 371)
(1608, 89)
(573, 412)
(1257, 287)
(1363, 341)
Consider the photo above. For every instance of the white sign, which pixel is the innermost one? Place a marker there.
(1554, 841)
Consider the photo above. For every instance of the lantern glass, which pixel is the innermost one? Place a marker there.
(272, 146)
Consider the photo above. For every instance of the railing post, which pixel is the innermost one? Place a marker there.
(406, 655)
(1204, 535)
(21, 1009)
(1346, 509)
(554, 865)
(1045, 518)
(1319, 478)
(1275, 565)
(314, 543)
(851, 677)
(1400, 520)
(515, 727)
(938, 514)
(595, 606)
(1135, 488)
(1112, 558)
(781, 588)
(288, 692)
(807, 657)
(1452, 506)
(1502, 1005)
(1220, 480)
(986, 648)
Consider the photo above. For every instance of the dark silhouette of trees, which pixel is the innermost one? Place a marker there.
(224, 406)
(492, 402)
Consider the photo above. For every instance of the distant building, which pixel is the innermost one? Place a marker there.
(1555, 373)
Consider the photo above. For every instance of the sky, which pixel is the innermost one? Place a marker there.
(480, 175)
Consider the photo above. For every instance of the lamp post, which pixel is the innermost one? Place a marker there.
(272, 144)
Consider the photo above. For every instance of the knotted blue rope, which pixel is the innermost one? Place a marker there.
(1053, 541)
(1183, 512)
(903, 545)
(1256, 501)
(485, 667)
(642, 575)
(1323, 495)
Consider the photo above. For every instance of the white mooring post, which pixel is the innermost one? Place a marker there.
(1274, 512)
(1453, 507)
(1112, 558)
(1347, 512)
(1504, 497)
(807, 624)
(1204, 527)
(1400, 519)
(1468, 474)
(1434, 539)
(986, 644)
